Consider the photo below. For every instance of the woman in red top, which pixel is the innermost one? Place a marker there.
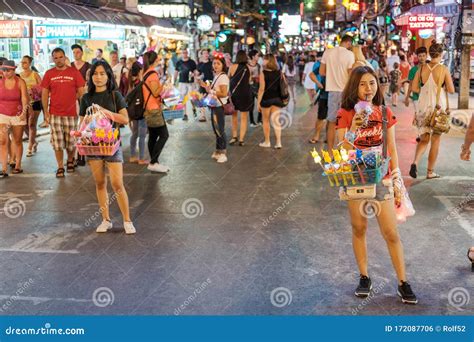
(14, 103)
(363, 85)
(405, 69)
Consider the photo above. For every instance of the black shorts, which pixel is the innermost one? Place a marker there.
(322, 109)
(37, 106)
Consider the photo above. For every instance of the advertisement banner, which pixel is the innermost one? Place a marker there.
(15, 28)
(107, 33)
(51, 31)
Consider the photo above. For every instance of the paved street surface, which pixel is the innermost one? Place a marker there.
(260, 235)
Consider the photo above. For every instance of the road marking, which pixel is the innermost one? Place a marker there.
(39, 300)
(462, 221)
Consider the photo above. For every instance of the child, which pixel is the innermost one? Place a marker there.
(395, 76)
(363, 85)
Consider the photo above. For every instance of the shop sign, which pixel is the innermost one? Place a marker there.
(51, 31)
(107, 33)
(421, 21)
(15, 28)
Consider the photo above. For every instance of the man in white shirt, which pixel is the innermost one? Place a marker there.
(336, 65)
(392, 59)
(117, 67)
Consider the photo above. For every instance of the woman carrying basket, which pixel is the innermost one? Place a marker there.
(373, 130)
(102, 92)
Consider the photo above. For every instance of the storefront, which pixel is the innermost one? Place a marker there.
(15, 38)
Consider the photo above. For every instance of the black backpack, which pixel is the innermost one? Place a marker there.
(135, 102)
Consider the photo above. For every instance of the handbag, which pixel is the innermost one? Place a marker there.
(284, 92)
(439, 120)
(369, 191)
(154, 117)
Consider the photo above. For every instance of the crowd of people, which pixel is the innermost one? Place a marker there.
(252, 88)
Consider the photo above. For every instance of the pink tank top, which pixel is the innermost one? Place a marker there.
(10, 99)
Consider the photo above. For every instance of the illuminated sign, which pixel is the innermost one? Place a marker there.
(290, 25)
(79, 31)
(107, 33)
(421, 21)
(15, 28)
(351, 6)
(165, 10)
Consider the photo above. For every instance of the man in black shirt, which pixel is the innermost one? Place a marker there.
(206, 74)
(186, 69)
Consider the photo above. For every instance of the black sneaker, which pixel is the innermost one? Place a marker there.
(365, 286)
(185, 117)
(407, 295)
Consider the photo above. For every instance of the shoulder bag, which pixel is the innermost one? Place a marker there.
(153, 117)
(439, 118)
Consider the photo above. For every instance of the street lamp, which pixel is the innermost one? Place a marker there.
(331, 3)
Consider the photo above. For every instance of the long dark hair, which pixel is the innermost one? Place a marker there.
(148, 59)
(350, 95)
(111, 84)
(241, 57)
(291, 63)
(133, 74)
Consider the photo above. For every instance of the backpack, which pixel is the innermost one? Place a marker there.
(135, 101)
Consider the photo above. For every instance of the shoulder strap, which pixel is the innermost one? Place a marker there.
(384, 130)
(440, 85)
(238, 83)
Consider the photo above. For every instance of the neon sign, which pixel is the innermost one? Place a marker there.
(421, 21)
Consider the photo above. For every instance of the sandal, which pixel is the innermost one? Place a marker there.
(233, 140)
(413, 171)
(241, 143)
(70, 167)
(434, 175)
(17, 171)
(29, 153)
(3, 174)
(313, 141)
(12, 164)
(60, 172)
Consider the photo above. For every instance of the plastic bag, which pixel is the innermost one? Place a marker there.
(406, 207)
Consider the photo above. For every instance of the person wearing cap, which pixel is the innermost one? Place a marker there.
(14, 103)
(62, 87)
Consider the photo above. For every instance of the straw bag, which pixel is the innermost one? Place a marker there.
(439, 120)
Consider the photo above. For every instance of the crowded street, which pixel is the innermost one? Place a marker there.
(206, 224)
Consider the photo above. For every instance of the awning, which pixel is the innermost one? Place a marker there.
(448, 10)
(62, 10)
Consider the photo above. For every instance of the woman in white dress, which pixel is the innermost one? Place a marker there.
(427, 81)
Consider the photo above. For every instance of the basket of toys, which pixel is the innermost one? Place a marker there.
(197, 99)
(352, 168)
(174, 112)
(96, 136)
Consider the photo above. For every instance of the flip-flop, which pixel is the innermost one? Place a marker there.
(413, 171)
(313, 141)
(435, 175)
(17, 171)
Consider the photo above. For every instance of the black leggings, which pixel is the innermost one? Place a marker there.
(156, 141)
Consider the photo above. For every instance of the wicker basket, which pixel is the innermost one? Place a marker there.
(87, 150)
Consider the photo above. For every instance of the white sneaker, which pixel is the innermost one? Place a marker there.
(214, 155)
(263, 144)
(278, 146)
(129, 228)
(253, 125)
(222, 158)
(157, 167)
(104, 227)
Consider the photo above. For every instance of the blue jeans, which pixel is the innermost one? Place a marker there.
(139, 130)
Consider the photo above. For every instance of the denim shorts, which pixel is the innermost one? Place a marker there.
(116, 158)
